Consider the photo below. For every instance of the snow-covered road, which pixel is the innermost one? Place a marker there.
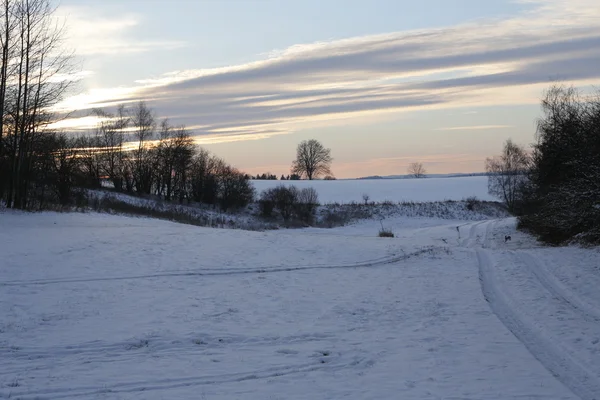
(106, 307)
(560, 325)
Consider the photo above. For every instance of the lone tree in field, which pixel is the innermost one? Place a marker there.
(312, 160)
(417, 170)
(507, 173)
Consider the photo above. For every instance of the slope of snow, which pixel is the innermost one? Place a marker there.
(395, 190)
(99, 306)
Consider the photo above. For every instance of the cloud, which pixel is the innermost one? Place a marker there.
(92, 34)
(474, 128)
(482, 63)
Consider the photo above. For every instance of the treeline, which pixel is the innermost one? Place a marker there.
(40, 166)
(35, 74)
(555, 188)
(272, 177)
(137, 155)
(561, 200)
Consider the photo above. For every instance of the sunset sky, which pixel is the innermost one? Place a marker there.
(382, 83)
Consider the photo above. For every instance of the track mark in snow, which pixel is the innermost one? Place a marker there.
(103, 349)
(572, 372)
(230, 271)
(164, 384)
(479, 234)
(557, 288)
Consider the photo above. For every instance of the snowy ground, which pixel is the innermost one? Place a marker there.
(107, 307)
(395, 190)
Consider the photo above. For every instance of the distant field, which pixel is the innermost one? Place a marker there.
(428, 189)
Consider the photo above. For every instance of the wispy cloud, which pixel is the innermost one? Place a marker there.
(482, 63)
(474, 128)
(92, 34)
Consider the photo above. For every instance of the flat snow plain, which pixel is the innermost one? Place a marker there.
(107, 307)
(395, 190)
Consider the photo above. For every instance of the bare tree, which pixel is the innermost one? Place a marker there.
(144, 124)
(34, 75)
(175, 151)
(63, 166)
(417, 170)
(7, 30)
(90, 157)
(110, 130)
(312, 160)
(507, 173)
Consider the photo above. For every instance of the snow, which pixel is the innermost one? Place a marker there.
(395, 190)
(97, 306)
(557, 322)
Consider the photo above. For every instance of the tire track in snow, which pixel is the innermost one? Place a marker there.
(228, 271)
(157, 344)
(165, 384)
(578, 377)
(473, 238)
(575, 374)
(557, 288)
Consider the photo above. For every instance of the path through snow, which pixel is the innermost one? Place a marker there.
(559, 326)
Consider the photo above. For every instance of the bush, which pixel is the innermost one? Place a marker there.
(266, 206)
(386, 233)
(290, 203)
(307, 203)
(235, 189)
(472, 202)
(282, 198)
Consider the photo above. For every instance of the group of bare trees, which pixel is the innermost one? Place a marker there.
(138, 155)
(555, 188)
(34, 76)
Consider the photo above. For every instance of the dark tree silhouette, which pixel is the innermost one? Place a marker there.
(417, 170)
(562, 196)
(312, 160)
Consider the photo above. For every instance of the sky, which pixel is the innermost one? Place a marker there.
(381, 83)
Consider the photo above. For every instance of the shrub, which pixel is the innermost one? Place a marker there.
(266, 207)
(472, 203)
(266, 203)
(386, 233)
(235, 189)
(307, 203)
(282, 198)
(333, 218)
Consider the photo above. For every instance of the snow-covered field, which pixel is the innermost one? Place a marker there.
(395, 190)
(106, 307)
